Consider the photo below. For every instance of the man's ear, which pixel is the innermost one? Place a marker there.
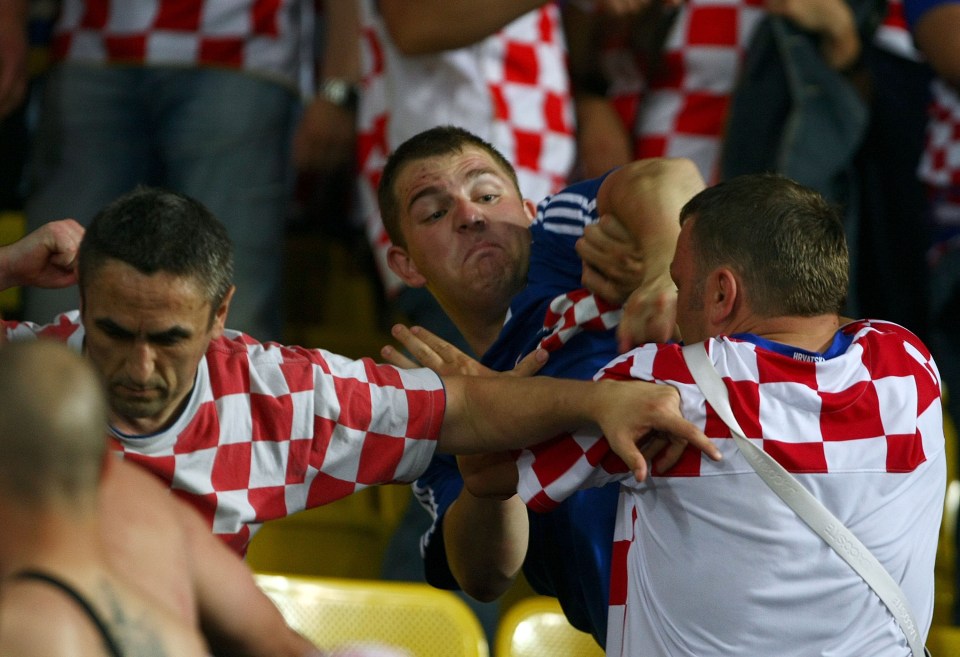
(220, 315)
(402, 265)
(722, 295)
(530, 209)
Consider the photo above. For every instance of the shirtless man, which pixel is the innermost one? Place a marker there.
(52, 452)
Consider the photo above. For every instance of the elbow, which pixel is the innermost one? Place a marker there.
(408, 36)
(410, 44)
(486, 588)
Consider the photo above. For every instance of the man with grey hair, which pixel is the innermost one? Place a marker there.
(249, 432)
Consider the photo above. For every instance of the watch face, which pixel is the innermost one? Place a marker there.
(339, 92)
(335, 91)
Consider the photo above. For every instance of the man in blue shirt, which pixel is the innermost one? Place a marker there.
(512, 280)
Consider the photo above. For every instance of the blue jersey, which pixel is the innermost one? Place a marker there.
(569, 551)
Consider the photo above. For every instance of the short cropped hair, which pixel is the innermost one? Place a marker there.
(784, 239)
(435, 142)
(155, 230)
(53, 425)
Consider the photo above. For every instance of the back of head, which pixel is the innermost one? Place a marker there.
(435, 142)
(155, 230)
(784, 239)
(53, 422)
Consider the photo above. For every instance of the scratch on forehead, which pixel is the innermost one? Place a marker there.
(436, 175)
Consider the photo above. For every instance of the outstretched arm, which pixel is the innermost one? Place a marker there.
(487, 414)
(45, 257)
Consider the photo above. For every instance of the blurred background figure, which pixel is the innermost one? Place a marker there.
(200, 97)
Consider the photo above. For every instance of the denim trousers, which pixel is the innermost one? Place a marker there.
(220, 136)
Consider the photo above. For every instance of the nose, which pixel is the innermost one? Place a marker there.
(469, 217)
(141, 362)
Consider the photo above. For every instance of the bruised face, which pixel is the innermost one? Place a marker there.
(466, 229)
(146, 335)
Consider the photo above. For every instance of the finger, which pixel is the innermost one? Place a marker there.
(420, 351)
(682, 432)
(450, 357)
(611, 227)
(437, 344)
(600, 285)
(670, 456)
(639, 467)
(395, 357)
(652, 447)
(531, 363)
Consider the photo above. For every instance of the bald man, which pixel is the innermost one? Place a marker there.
(115, 563)
(52, 452)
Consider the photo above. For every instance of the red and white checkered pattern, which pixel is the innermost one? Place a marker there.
(940, 163)
(686, 98)
(838, 415)
(511, 89)
(862, 430)
(576, 311)
(267, 37)
(271, 430)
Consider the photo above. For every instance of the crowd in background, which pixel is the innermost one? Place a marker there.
(283, 115)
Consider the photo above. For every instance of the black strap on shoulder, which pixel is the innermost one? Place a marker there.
(108, 639)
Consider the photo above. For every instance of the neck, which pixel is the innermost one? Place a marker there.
(65, 542)
(809, 333)
(479, 336)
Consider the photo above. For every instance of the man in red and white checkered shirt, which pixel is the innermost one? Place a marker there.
(707, 560)
(250, 431)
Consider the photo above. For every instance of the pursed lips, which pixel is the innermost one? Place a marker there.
(480, 247)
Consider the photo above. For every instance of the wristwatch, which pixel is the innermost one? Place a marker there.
(340, 92)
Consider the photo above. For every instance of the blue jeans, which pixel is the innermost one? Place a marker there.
(220, 136)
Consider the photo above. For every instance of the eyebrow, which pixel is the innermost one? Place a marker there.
(472, 175)
(173, 333)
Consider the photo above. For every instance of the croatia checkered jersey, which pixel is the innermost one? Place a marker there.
(553, 309)
(268, 38)
(871, 402)
(859, 425)
(269, 430)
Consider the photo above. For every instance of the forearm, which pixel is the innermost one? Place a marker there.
(341, 54)
(495, 414)
(236, 617)
(486, 542)
(415, 35)
(646, 197)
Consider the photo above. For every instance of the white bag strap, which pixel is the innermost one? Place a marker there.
(798, 498)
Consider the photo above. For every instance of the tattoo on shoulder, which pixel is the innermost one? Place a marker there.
(134, 632)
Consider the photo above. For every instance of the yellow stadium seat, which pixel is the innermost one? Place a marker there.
(536, 627)
(416, 617)
(344, 539)
(944, 641)
(945, 573)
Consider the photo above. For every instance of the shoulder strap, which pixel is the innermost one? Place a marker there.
(108, 639)
(802, 501)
